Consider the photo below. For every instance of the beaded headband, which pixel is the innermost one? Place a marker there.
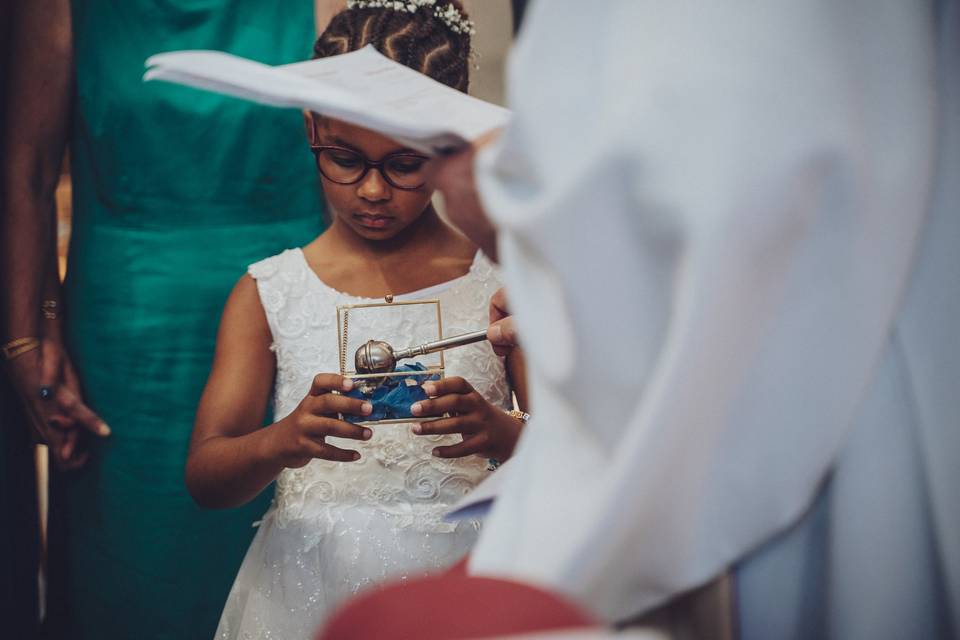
(448, 14)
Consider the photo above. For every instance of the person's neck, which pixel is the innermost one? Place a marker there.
(422, 233)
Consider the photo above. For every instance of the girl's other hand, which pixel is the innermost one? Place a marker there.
(300, 437)
(486, 430)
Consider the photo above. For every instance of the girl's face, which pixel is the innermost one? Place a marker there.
(372, 207)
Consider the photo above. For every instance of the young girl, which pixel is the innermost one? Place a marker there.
(353, 505)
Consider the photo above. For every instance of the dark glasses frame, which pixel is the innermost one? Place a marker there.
(368, 164)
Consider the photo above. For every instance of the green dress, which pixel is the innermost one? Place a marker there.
(175, 192)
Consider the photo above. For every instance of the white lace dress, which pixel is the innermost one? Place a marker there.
(334, 528)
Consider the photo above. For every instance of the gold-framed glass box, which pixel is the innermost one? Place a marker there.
(410, 322)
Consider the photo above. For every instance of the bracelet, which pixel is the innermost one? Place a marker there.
(49, 308)
(522, 416)
(20, 346)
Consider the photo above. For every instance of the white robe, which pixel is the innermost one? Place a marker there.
(729, 233)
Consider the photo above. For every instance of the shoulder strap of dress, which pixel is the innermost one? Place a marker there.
(279, 279)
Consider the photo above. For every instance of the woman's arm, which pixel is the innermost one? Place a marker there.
(231, 458)
(35, 133)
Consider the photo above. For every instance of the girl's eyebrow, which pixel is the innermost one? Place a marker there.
(340, 142)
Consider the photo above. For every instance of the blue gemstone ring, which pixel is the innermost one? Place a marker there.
(46, 392)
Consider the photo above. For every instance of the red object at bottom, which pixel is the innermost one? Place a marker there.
(452, 606)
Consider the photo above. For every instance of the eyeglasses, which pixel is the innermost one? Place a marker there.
(403, 170)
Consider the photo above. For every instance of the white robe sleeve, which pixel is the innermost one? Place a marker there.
(707, 212)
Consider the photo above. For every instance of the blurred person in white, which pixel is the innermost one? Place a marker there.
(729, 236)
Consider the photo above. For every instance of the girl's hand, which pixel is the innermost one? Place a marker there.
(300, 437)
(486, 430)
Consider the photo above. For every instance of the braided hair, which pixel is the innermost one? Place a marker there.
(418, 40)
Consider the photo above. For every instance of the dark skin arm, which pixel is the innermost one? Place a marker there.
(41, 80)
(36, 127)
(232, 459)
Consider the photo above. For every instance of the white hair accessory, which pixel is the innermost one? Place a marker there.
(448, 13)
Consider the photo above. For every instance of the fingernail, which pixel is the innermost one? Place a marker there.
(367, 408)
(416, 408)
(355, 456)
(367, 434)
(435, 453)
(496, 333)
(103, 429)
(416, 429)
(429, 388)
(347, 384)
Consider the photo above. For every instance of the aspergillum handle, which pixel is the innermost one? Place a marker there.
(440, 345)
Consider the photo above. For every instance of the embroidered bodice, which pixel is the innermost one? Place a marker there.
(396, 472)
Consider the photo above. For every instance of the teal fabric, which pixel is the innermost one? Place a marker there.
(175, 192)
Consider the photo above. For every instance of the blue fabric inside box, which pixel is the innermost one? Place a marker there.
(392, 398)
